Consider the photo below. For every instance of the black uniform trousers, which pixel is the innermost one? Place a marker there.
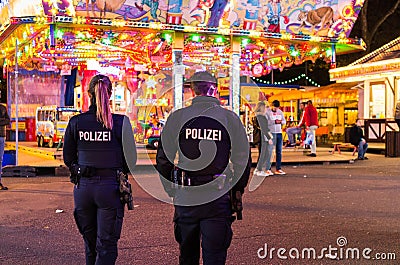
(99, 214)
(210, 223)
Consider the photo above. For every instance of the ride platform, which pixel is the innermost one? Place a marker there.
(49, 161)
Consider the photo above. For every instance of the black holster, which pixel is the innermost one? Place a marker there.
(125, 189)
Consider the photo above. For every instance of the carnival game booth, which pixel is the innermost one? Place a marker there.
(337, 109)
(289, 97)
(336, 105)
(149, 48)
(377, 79)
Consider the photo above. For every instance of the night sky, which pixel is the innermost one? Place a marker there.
(318, 72)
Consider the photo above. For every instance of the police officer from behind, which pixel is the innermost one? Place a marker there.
(203, 131)
(93, 151)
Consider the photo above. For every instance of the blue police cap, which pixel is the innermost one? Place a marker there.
(203, 76)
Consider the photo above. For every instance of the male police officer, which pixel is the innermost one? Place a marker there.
(206, 136)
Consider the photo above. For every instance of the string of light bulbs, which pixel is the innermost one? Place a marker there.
(288, 81)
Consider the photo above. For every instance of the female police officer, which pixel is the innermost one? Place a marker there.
(93, 151)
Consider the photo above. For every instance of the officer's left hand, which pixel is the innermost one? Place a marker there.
(237, 201)
(74, 170)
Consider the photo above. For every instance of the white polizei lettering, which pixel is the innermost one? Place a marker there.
(194, 134)
(99, 136)
(209, 134)
(215, 135)
(203, 134)
(92, 136)
(107, 136)
(188, 132)
(96, 136)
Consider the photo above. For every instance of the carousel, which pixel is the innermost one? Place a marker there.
(50, 49)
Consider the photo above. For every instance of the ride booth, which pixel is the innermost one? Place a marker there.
(377, 78)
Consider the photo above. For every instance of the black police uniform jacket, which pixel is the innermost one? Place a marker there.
(87, 142)
(188, 126)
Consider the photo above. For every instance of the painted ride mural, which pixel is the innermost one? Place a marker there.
(332, 18)
(316, 17)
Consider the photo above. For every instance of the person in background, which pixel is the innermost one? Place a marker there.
(256, 135)
(311, 122)
(291, 131)
(357, 139)
(275, 121)
(397, 114)
(4, 121)
(265, 141)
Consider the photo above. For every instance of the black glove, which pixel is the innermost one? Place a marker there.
(75, 173)
(78, 171)
(237, 206)
(172, 186)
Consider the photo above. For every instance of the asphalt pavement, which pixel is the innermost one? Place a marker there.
(338, 210)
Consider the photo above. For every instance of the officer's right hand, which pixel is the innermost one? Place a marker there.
(73, 178)
(237, 205)
(74, 170)
(237, 201)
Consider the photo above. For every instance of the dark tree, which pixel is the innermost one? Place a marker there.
(378, 23)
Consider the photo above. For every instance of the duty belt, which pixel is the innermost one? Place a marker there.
(220, 180)
(198, 180)
(182, 178)
(101, 172)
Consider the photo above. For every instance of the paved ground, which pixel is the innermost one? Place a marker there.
(311, 207)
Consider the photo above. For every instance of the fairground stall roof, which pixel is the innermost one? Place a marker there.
(273, 33)
(382, 62)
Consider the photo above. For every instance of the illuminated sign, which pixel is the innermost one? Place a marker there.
(162, 102)
(3, 3)
(107, 70)
(257, 70)
(23, 8)
(19, 8)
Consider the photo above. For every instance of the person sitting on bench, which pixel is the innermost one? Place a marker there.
(357, 139)
(291, 131)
